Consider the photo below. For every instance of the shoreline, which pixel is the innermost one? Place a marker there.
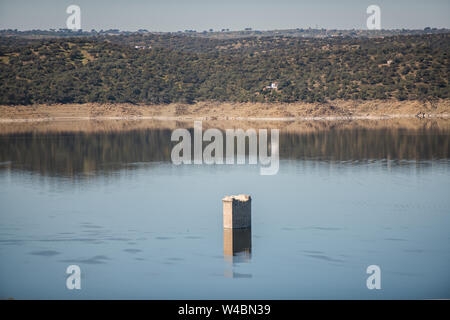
(200, 118)
(300, 117)
(300, 126)
(210, 110)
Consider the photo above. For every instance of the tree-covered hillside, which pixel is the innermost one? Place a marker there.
(173, 68)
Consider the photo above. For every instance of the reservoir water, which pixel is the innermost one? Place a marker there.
(140, 227)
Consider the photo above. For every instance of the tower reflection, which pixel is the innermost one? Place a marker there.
(237, 248)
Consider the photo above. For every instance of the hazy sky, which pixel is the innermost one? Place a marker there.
(174, 15)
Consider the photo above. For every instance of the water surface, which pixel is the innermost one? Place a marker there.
(140, 227)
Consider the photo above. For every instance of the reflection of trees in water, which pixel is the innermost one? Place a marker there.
(363, 144)
(79, 153)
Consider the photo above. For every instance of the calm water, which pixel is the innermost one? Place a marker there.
(140, 227)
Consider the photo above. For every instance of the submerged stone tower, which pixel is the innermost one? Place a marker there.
(237, 212)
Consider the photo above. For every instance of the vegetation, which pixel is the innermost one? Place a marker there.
(180, 68)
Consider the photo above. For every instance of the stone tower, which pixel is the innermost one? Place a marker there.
(237, 212)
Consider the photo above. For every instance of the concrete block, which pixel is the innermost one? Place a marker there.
(237, 212)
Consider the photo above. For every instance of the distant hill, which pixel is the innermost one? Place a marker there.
(221, 66)
(228, 34)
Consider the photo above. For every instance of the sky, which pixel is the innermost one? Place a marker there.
(199, 15)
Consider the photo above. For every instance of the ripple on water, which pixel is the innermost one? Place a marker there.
(98, 259)
(45, 253)
(324, 258)
(175, 259)
(130, 250)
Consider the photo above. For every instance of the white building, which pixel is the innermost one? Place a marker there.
(273, 85)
